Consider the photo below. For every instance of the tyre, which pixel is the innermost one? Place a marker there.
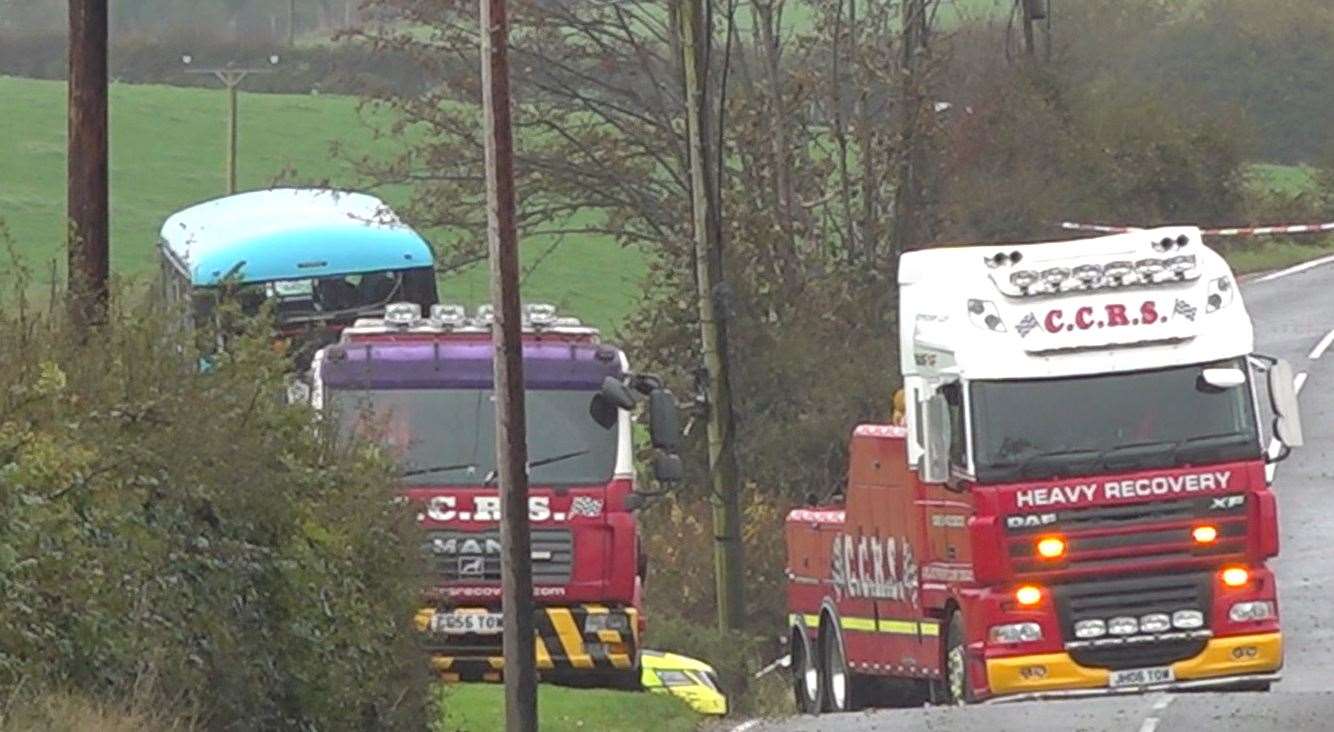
(844, 691)
(807, 681)
(955, 665)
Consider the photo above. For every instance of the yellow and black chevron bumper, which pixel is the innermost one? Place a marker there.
(567, 643)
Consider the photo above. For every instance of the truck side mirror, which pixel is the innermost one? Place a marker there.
(668, 468)
(617, 393)
(936, 428)
(664, 420)
(1283, 397)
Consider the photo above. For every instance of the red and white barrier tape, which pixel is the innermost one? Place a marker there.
(1236, 231)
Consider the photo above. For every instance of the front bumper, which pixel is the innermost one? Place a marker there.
(1223, 662)
(562, 645)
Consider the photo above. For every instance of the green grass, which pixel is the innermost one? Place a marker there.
(480, 708)
(1288, 180)
(1276, 254)
(167, 153)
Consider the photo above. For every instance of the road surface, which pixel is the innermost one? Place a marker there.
(1294, 319)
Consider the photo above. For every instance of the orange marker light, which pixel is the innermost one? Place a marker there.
(1235, 576)
(1028, 595)
(1204, 534)
(1051, 547)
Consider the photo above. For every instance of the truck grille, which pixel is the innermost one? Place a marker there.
(1135, 597)
(1102, 537)
(474, 556)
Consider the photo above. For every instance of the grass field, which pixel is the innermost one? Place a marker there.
(480, 708)
(167, 153)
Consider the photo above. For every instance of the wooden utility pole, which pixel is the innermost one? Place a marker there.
(723, 471)
(506, 335)
(291, 23)
(88, 202)
(231, 78)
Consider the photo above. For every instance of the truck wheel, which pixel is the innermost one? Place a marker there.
(956, 663)
(807, 684)
(843, 690)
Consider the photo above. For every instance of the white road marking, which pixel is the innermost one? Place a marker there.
(1151, 723)
(1295, 269)
(1298, 382)
(747, 725)
(1322, 346)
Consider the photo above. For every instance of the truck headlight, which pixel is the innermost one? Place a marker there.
(1016, 633)
(1242, 612)
(597, 622)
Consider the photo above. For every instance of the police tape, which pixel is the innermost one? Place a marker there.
(1231, 231)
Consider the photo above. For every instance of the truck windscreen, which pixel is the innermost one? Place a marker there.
(448, 436)
(1050, 428)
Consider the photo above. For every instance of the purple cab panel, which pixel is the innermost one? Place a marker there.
(464, 365)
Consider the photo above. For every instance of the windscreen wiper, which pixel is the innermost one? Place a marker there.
(1222, 439)
(556, 459)
(436, 469)
(491, 476)
(1021, 468)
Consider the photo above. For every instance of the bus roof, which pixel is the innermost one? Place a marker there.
(289, 234)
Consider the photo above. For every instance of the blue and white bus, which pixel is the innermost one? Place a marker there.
(322, 257)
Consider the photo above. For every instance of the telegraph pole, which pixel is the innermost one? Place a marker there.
(231, 78)
(506, 336)
(88, 203)
(723, 470)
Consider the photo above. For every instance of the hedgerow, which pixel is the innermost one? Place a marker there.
(186, 531)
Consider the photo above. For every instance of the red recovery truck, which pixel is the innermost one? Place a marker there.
(423, 385)
(1076, 500)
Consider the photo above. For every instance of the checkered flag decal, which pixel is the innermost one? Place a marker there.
(586, 506)
(1026, 325)
(1185, 310)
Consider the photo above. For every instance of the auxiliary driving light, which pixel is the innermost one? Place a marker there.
(1235, 576)
(1086, 629)
(1204, 534)
(1118, 270)
(1122, 625)
(1016, 633)
(1147, 268)
(449, 316)
(1187, 619)
(1089, 274)
(402, 313)
(1182, 264)
(1024, 279)
(1051, 547)
(1055, 276)
(1155, 623)
(1242, 612)
(1028, 595)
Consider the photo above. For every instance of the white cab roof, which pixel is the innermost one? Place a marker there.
(962, 313)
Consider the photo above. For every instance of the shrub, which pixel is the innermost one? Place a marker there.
(190, 532)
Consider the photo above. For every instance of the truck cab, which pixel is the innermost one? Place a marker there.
(1076, 502)
(423, 387)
